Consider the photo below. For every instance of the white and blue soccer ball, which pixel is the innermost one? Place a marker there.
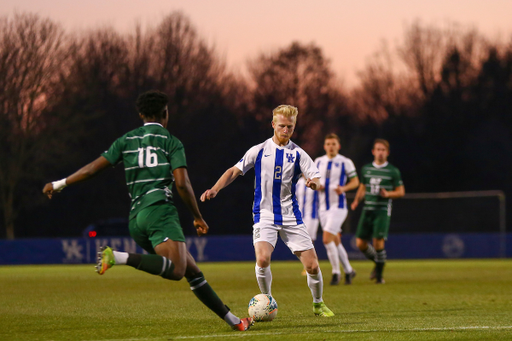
(263, 308)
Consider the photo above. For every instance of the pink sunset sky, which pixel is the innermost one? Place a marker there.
(349, 32)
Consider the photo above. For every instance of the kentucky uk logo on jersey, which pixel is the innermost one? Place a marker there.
(290, 157)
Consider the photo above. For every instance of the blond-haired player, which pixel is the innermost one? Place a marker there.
(278, 164)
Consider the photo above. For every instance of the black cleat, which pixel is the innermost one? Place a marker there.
(348, 277)
(380, 281)
(335, 279)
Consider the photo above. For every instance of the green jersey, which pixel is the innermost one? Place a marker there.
(150, 154)
(375, 177)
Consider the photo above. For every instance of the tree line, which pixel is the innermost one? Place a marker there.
(442, 97)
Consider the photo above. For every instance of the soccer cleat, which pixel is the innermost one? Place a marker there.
(373, 274)
(380, 281)
(244, 324)
(335, 279)
(105, 260)
(348, 277)
(320, 309)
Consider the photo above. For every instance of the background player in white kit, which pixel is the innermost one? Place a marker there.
(338, 176)
(308, 205)
(278, 164)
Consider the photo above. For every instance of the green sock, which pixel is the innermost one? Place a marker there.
(153, 264)
(380, 261)
(205, 294)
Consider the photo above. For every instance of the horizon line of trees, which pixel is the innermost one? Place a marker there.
(443, 98)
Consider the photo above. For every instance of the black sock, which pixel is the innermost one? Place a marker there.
(380, 261)
(205, 294)
(370, 253)
(153, 264)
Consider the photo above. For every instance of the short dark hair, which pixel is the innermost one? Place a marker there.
(332, 136)
(381, 141)
(152, 104)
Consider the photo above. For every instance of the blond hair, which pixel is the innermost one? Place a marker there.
(286, 111)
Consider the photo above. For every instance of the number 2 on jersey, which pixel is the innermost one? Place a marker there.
(151, 157)
(277, 172)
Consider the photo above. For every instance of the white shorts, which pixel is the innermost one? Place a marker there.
(332, 219)
(311, 227)
(296, 237)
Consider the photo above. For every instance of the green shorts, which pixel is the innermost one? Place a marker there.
(154, 225)
(373, 224)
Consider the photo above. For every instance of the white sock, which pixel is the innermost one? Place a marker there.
(347, 268)
(332, 254)
(120, 257)
(231, 319)
(316, 285)
(264, 278)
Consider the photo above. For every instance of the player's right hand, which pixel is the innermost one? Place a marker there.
(354, 204)
(208, 194)
(48, 190)
(201, 226)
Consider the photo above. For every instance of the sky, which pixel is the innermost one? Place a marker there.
(348, 31)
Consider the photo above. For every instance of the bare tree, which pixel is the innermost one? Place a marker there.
(298, 75)
(31, 58)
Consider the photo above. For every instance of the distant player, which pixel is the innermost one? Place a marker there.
(153, 159)
(381, 182)
(308, 205)
(278, 164)
(338, 177)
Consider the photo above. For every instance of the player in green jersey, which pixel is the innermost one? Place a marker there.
(380, 183)
(153, 159)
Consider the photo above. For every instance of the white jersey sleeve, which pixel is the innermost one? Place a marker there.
(307, 166)
(351, 169)
(249, 159)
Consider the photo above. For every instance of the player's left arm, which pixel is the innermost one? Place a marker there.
(353, 180)
(399, 190)
(352, 183)
(88, 171)
(314, 184)
(184, 187)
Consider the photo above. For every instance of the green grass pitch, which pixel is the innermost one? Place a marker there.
(421, 300)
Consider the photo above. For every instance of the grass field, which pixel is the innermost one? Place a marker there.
(421, 300)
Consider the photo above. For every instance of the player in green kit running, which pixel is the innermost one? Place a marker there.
(380, 183)
(153, 159)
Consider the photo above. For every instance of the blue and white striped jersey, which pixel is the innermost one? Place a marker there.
(334, 172)
(308, 200)
(277, 170)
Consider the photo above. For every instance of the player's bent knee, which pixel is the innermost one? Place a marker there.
(361, 244)
(263, 262)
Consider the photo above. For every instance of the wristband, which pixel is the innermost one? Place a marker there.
(59, 185)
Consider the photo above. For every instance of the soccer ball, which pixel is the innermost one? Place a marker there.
(263, 308)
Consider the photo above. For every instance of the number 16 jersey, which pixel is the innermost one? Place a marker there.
(149, 154)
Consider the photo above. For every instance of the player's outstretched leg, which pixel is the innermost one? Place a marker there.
(105, 260)
(204, 292)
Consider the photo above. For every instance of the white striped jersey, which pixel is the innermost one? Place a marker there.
(277, 170)
(334, 172)
(308, 200)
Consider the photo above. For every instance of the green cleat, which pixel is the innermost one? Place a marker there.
(320, 309)
(106, 260)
